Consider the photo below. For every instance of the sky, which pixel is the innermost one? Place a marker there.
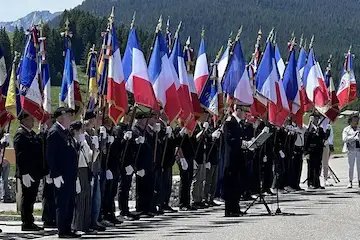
(11, 10)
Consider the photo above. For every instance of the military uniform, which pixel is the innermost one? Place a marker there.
(29, 161)
(62, 157)
(234, 163)
(314, 145)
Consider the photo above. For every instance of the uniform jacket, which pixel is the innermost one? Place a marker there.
(29, 154)
(314, 139)
(61, 153)
(146, 155)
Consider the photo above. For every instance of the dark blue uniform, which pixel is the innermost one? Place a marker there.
(62, 158)
(29, 160)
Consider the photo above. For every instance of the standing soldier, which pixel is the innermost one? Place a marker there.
(49, 208)
(315, 137)
(29, 168)
(212, 165)
(234, 159)
(62, 157)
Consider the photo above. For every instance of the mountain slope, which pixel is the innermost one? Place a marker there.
(329, 21)
(26, 21)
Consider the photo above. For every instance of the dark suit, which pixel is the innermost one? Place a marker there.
(145, 185)
(62, 158)
(29, 160)
(234, 162)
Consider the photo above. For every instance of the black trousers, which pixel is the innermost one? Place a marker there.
(267, 168)
(123, 196)
(111, 187)
(297, 162)
(145, 192)
(49, 208)
(232, 190)
(185, 184)
(28, 199)
(166, 181)
(279, 170)
(65, 201)
(314, 168)
(157, 198)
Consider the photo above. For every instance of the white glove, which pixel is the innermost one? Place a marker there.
(103, 132)
(196, 165)
(109, 175)
(245, 144)
(265, 159)
(140, 140)
(206, 125)
(208, 165)
(92, 182)
(129, 170)
(128, 135)
(95, 141)
(157, 127)
(48, 179)
(266, 130)
(58, 181)
(216, 134)
(78, 186)
(184, 164)
(111, 139)
(5, 138)
(282, 154)
(141, 173)
(183, 131)
(27, 179)
(42, 128)
(328, 127)
(168, 131)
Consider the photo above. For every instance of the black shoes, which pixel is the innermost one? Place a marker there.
(69, 235)
(31, 228)
(50, 225)
(232, 214)
(169, 209)
(99, 228)
(188, 208)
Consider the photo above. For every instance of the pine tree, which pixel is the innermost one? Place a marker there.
(18, 40)
(5, 45)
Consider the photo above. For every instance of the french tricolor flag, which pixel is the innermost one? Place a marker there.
(314, 83)
(291, 83)
(269, 85)
(347, 89)
(161, 76)
(331, 111)
(136, 73)
(46, 84)
(279, 62)
(30, 92)
(201, 68)
(301, 63)
(178, 61)
(116, 91)
(223, 62)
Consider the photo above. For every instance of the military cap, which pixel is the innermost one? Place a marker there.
(89, 114)
(76, 125)
(23, 115)
(62, 110)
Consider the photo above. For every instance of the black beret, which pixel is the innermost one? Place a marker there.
(77, 125)
(61, 111)
(89, 115)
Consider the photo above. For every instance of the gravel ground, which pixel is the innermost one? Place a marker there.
(330, 214)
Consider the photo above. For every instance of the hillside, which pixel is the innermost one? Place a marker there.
(26, 21)
(329, 20)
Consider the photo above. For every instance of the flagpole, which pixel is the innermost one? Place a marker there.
(157, 30)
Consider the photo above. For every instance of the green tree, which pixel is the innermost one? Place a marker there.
(5, 45)
(18, 40)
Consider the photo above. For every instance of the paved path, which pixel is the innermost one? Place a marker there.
(331, 214)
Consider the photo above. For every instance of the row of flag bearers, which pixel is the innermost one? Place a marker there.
(175, 129)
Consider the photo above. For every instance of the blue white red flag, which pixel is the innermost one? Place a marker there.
(314, 83)
(347, 88)
(201, 68)
(269, 86)
(291, 83)
(116, 90)
(178, 61)
(30, 92)
(45, 77)
(301, 63)
(161, 77)
(279, 62)
(136, 73)
(209, 96)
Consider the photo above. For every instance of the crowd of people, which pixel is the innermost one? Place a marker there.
(86, 164)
